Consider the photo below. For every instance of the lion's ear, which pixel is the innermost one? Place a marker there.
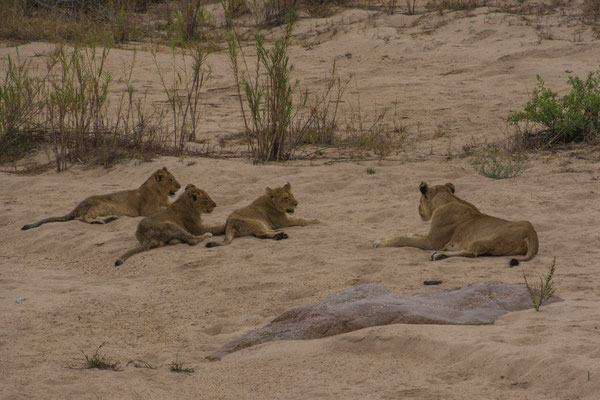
(164, 169)
(451, 187)
(287, 186)
(190, 186)
(195, 196)
(423, 188)
(270, 192)
(160, 175)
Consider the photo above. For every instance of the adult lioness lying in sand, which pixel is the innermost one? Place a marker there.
(264, 217)
(458, 228)
(181, 222)
(149, 198)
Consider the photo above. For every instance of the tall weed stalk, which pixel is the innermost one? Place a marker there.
(184, 91)
(274, 124)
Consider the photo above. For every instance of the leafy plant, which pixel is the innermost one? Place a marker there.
(544, 290)
(491, 162)
(574, 117)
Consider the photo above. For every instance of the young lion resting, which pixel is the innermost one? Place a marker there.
(181, 222)
(264, 217)
(149, 198)
(458, 228)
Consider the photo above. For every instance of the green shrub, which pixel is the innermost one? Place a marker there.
(493, 163)
(20, 96)
(574, 117)
(544, 290)
(273, 127)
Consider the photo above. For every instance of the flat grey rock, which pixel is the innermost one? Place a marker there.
(372, 304)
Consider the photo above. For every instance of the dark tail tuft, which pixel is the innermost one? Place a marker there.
(118, 262)
(25, 227)
(211, 244)
(513, 262)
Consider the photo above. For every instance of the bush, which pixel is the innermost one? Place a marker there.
(574, 117)
(68, 107)
(271, 126)
(493, 163)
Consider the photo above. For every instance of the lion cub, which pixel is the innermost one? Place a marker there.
(181, 222)
(458, 228)
(264, 217)
(149, 198)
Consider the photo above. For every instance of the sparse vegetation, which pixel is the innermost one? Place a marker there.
(177, 366)
(410, 6)
(186, 21)
(20, 94)
(324, 111)
(544, 290)
(274, 124)
(453, 5)
(68, 107)
(371, 171)
(97, 360)
(380, 133)
(574, 117)
(492, 162)
(591, 10)
(184, 91)
(390, 6)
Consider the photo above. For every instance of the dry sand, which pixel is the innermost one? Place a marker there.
(459, 74)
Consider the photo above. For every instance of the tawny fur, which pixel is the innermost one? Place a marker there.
(264, 217)
(181, 222)
(458, 228)
(150, 197)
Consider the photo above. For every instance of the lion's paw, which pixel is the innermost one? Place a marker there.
(377, 244)
(280, 236)
(435, 256)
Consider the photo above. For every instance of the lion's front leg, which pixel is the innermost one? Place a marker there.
(291, 221)
(420, 242)
(217, 230)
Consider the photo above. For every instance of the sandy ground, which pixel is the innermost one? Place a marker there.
(460, 72)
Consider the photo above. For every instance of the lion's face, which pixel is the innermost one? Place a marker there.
(427, 203)
(167, 181)
(283, 199)
(199, 200)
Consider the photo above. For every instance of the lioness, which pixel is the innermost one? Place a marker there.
(458, 228)
(181, 222)
(264, 217)
(149, 198)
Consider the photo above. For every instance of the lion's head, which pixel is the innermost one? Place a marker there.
(165, 181)
(282, 198)
(197, 199)
(429, 194)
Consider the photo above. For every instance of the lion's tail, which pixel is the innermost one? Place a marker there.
(70, 216)
(532, 249)
(130, 253)
(229, 235)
